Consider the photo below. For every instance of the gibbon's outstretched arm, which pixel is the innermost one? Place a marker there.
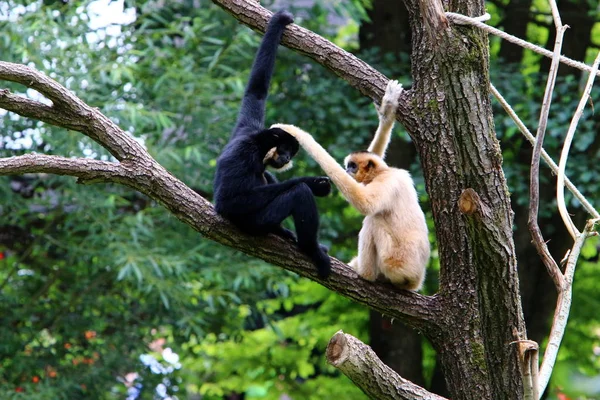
(366, 199)
(387, 118)
(252, 111)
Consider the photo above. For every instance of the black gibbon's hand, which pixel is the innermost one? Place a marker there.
(282, 17)
(320, 185)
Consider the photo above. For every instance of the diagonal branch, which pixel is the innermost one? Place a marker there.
(578, 195)
(350, 68)
(478, 22)
(67, 111)
(360, 363)
(31, 109)
(140, 171)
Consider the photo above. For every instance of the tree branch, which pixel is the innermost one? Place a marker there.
(347, 66)
(560, 185)
(140, 171)
(83, 168)
(534, 177)
(529, 136)
(360, 363)
(67, 111)
(563, 307)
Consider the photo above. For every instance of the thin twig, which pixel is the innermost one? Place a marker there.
(564, 155)
(553, 166)
(534, 188)
(563, 306)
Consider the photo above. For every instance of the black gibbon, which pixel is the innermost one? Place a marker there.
(248, 195)
(393, 240)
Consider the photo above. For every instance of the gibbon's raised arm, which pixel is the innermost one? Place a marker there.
(252, 111)
(363, 198)
(387, 118)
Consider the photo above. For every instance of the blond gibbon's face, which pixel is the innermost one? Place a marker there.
(363, 166)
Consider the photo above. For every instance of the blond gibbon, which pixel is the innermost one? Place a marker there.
(393, 240)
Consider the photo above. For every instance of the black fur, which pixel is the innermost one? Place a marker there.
(244, 192)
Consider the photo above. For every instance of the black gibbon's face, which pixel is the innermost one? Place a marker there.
(282, 148)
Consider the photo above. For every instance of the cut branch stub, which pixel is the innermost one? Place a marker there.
(360, 363)
(470, 203)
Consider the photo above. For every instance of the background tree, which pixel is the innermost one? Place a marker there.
(170, 34)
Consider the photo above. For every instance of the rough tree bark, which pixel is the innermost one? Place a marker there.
(476, 315)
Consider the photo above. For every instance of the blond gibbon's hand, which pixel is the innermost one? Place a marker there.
(389, 102)
(291, 129)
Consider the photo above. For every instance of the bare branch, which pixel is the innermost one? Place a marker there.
(140, 171)
(534, 188)
(560, 185)
(67, 111)
(563, 306)
(360, 363)
(528, 355)
(350, 68)
(60, 96)
(578, 195)
(83, 168)
(31, 108)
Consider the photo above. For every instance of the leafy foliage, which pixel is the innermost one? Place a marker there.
(92, 278)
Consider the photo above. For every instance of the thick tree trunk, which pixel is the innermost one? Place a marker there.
(455, 137)
(477, 313)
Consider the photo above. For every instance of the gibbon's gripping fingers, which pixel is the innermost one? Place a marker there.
(282, 17)
(389, 102)
(320, 185)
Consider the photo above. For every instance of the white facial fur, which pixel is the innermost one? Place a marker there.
(270, 154)
(284, 168)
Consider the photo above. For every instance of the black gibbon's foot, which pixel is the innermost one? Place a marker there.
(323, 248)
(286, 234)
(284, 17)
(322, 262)
(320, 186)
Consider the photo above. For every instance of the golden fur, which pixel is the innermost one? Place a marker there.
(393, 241)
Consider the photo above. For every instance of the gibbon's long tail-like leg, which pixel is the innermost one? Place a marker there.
(251, 117)
(387, 118)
